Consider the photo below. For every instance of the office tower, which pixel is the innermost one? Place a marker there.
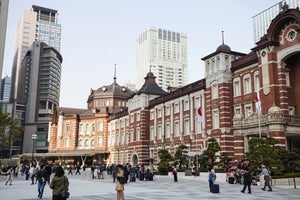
(262, 21)
(3, 23)
(164, 53)
(39, 92)
(5, 89)
(37, 24)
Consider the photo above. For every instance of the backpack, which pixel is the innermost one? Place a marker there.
(122, 180)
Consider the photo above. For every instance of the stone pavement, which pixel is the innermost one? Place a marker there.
(82, 187)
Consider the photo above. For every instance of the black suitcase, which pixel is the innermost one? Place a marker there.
(215, 188)
(231, 180)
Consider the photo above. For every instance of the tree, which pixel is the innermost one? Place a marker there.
(290, 161)
(10, 132)
(208, 157)
(180, 155)
(264, 151)
(165, 157)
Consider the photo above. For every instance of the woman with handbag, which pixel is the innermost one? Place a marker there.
(60, 185)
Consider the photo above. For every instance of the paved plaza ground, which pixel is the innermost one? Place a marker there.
(82, 187)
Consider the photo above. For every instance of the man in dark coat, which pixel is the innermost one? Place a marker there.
(247, 181)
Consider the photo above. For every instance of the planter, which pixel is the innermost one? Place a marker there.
(188, 172)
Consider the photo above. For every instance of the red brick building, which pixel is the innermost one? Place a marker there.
(127, 127)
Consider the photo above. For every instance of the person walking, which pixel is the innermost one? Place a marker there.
(247, 181)
(59, 184)
(41, 178)
(9, 175)
(32, 173)
(120, 184)
(174, 172)
(265, 172)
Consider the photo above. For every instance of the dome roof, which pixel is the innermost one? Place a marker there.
(112, 90)
(150, 86)
(223, 47)
(274, 109)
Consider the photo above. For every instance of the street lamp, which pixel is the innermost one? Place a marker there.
(33, 137)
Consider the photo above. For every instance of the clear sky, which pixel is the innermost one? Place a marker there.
(96, 34)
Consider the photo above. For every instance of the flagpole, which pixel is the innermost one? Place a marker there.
(259, 129)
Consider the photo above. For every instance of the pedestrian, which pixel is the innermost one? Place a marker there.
(9, 175)
(210, 179)
(120, 182)
(41, 178)
(247, 180)
(59, 184)
(265, 172)
(174, 172)
(32, 173)
(77, 170)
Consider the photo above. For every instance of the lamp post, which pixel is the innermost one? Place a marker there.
(33, 137)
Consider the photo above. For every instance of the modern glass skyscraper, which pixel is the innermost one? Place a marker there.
(38, 24)
(262, 21)
(5, 89)
(3, 23)
(163, 52)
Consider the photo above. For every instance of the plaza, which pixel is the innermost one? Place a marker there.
(82, 187)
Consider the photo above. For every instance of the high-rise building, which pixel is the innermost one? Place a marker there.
(37, 24)
(262, 21)
(39, 92)
(164, 53)
(5, 89)
(3, 23)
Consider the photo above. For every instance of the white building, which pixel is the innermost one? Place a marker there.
(38, 24)
(164, 52)
(262, 21)
(3, 23)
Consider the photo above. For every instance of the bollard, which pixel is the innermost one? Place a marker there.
(294, 183)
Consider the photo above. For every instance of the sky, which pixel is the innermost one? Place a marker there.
(97, 34)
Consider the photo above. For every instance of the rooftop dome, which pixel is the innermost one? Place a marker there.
(223, 47)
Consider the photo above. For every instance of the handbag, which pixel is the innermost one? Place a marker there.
(65, 194)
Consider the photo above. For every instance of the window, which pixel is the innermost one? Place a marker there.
(158, 113)
(92, 143)
(248, 110)
(186, 127)
(214, 91)
(68, 128)
(138, 136)
(291, 110)
(176, 108)
(256, 81)
(80, 144)
(159, 132)
(287, 79)
(167, 130)
(215, 118)
(81, 129)
(237, 110)
(138, 117)
(131, 135)
(247, 84)
(86, 144)
(152, 114)
(186, 105)
(151, 133)
(168, 111)
(100, 125)
(67, 142)
(236, 87)
(100, 141)
(176, 128)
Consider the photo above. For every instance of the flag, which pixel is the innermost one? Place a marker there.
(199, 114)
(257, 102)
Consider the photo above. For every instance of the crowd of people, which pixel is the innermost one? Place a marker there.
(121, 174)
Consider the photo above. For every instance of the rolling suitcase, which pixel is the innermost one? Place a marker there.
(231, 180)
(215, 188)
(133, 179)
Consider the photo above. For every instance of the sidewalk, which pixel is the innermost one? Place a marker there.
(82, 187)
